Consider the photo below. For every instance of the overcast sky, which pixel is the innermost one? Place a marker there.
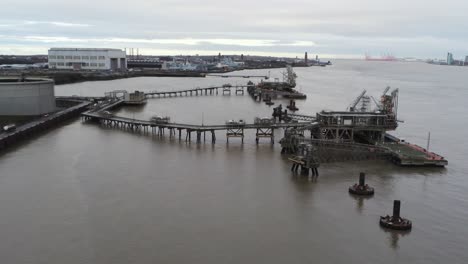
(330, 28)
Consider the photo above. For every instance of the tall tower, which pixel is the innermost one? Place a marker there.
(449, 58)
(306, 60)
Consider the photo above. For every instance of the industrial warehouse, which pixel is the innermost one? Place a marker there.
(87, 59)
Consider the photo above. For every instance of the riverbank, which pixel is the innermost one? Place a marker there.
(67, 77)
(34, 126)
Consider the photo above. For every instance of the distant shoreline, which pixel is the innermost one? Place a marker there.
(69, 77)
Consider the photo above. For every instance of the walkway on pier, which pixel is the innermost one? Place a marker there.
(138, 122)
(87, 98)
(225, 89)
(263, 130)
(238, 76)
(298, 117)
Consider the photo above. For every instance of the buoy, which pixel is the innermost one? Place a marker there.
(395, 221)
(361, 188)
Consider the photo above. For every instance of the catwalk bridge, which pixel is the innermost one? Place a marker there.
(264, 129)
(238, 76)
(225, 89)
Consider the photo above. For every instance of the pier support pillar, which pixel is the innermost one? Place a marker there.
(396, 208)
(213, 136)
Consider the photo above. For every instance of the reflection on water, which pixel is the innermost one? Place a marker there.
(394, 236)
(360, 200)
(84, 193)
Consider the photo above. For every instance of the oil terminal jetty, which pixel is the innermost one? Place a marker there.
(335, 136)
(328, 136)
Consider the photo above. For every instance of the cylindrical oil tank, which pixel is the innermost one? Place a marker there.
(26, 96)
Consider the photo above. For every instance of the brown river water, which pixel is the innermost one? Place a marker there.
(82, 193)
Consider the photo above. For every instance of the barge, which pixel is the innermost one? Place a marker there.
(407, 154)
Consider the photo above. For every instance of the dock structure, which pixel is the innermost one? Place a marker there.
(347, 126)
(259, 94)
(407, 154)
(237, 76)
(198, 91)
(136, 125)
(265, 132)
(276, 88)
(357, 134)
(331, 151)
(306, 159)
(234, 132)
(357, 124)
(299, 117)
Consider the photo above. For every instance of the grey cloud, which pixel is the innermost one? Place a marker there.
(332, 26)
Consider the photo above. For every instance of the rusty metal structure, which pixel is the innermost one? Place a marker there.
(274, 89)
(306, 159)
(361, 123)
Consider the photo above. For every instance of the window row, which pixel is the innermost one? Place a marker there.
(53, 57)
(83, 64)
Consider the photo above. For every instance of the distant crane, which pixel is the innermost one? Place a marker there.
(352, 106)
(289, 76)
(388, 102)
(386, 90)
(379, 105)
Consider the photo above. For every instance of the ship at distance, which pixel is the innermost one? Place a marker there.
(382, 58)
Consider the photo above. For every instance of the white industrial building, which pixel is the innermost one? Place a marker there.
(26, 97)
(87, 59)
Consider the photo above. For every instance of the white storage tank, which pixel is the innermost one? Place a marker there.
(26, 96)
